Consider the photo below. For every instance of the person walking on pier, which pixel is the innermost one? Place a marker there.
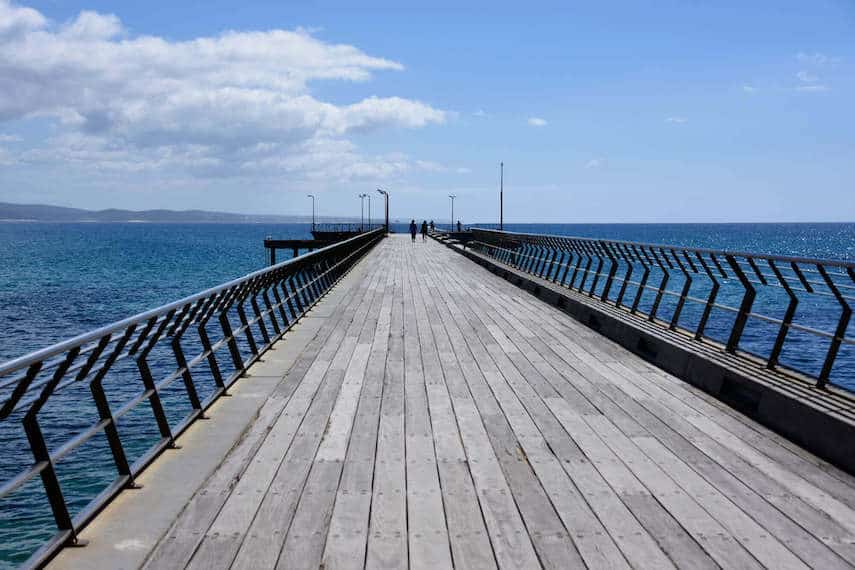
(424, 230)
(432, 226)
(413, 230)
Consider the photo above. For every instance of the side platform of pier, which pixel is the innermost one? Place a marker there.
(428, 414)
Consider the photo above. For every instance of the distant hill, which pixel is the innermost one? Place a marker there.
(44, 213)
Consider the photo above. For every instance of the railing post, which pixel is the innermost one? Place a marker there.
(259, 318)
(663, 284)
(123, 467)
(612, 270)
(624, 254)
(213, 364)
(744, 307)
(842, 324)
(708, 306)
(40, 451)
(247, 329)
(684, 293)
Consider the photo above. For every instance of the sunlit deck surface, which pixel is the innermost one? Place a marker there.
(440, 417)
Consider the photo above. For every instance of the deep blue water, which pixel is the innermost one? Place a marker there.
(58, 280)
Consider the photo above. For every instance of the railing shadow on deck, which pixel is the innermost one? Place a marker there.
(791, 312)
(178, 358)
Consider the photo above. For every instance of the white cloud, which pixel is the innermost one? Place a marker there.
(16, 20)
(463, 170)
(430, 166)
(816, 59)
(812, 88)
(4, 138)
(594, 163)
(480, 113)
(749, 88)
(806, 77)
(537, 122)
(678, 120)
(217, 105)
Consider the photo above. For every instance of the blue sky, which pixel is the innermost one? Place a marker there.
(601, 111)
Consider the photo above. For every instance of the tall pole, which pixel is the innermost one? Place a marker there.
(312, 196)
(452, 196)
(502, 195)
(362, 212)
(386, 196)
(369, 211)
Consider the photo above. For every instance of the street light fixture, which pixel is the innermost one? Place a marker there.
(386, 196)
(362, 212)
(312, 196)
(502, 196)
(451, 227)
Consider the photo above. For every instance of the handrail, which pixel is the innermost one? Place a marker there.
(345, 227)
(690, 283)
(245, 316)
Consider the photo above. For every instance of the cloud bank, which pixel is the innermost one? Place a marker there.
(224, 105)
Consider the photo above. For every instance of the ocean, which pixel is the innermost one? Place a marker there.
(59, 280)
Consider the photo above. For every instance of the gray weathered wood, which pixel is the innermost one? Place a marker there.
(442, 418)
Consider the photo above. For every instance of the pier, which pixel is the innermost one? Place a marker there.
(460, 404)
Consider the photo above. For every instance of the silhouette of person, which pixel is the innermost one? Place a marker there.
(413, 230)
(424, 230)
(459, 226)
(432, 227)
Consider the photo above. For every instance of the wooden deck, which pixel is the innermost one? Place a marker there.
(443, 418)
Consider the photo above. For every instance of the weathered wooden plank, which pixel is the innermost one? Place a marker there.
(179, 544)
(652, 518)
(765, 548)
(825, 475)
(508, 536)
(444, 418)
(629, 535)
(427, 528)
(305, 540)
(528, 480)
(266, 534)
(347, 537)
(470, 546)
(796, 537)
(387, 539)
(827, 534)
(256, 477)
(762, 441)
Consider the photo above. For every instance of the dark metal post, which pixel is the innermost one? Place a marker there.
(386, 196)
(744, 308)
(786, 321)
(842, 324)
(312, 196)
(501, 195)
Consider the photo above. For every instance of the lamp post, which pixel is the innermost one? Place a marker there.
(501, 195)
(369, 211)
(362, 211)
(452, 196)
(312, 196)
(386, 196)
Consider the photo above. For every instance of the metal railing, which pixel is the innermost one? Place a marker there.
(346, 227)
(711, 294)
(201, 344)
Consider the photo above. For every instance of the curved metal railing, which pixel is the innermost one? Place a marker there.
(806, 302)
(206, 341)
